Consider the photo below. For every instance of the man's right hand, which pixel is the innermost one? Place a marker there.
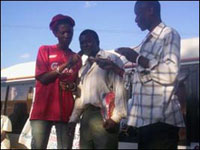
(129, 53)
(105, 64)
(71, 128)
(69, 64)
(72, 61)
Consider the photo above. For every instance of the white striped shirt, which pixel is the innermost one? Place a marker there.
(96, 82)
(152, 87)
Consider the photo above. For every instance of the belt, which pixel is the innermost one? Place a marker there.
(92, 107)
(68, 86)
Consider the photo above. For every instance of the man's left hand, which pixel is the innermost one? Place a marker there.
(111, 126)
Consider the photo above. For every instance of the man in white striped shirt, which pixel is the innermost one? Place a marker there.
(97, 131)
(155, 109)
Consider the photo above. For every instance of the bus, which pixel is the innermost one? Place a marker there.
(18, 84)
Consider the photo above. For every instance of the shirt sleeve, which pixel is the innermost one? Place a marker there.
(78, 106)
(165, 70)
(7, 126)
(77, 111)
(120, 110)
(42, 61)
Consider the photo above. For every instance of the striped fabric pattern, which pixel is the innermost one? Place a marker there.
(152, 87)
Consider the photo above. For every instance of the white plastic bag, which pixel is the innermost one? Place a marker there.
(26, 136)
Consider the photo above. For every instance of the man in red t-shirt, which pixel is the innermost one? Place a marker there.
(56, 74)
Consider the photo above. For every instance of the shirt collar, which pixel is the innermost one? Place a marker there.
(157, 30)
(100, 53)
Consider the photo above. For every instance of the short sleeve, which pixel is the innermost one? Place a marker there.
(7, 126)
(42, 61)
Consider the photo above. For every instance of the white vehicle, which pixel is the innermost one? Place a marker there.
(18, 83)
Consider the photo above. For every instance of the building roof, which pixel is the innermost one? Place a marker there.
(190, 48)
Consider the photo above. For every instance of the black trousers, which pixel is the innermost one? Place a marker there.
(158, 136)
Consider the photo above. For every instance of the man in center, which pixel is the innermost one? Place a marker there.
(96, 132)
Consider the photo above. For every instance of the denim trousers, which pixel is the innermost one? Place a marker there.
(41, 130)
(92, 133)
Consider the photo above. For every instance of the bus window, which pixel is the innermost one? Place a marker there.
(18, 92)
(18, 117)
(30, 98)
(3, 98)
(3, 93)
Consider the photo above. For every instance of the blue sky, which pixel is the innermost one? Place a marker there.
(25, 24)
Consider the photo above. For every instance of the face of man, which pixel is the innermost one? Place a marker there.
(143, 14)
(88, 45)
(64, 34)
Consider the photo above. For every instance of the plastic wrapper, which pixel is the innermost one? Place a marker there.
(108, 105)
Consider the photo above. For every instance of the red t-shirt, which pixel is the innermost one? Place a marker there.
(47, 104)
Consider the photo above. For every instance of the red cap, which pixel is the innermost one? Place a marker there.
(59, 17)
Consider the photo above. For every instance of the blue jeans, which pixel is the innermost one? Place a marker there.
(41, 130)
